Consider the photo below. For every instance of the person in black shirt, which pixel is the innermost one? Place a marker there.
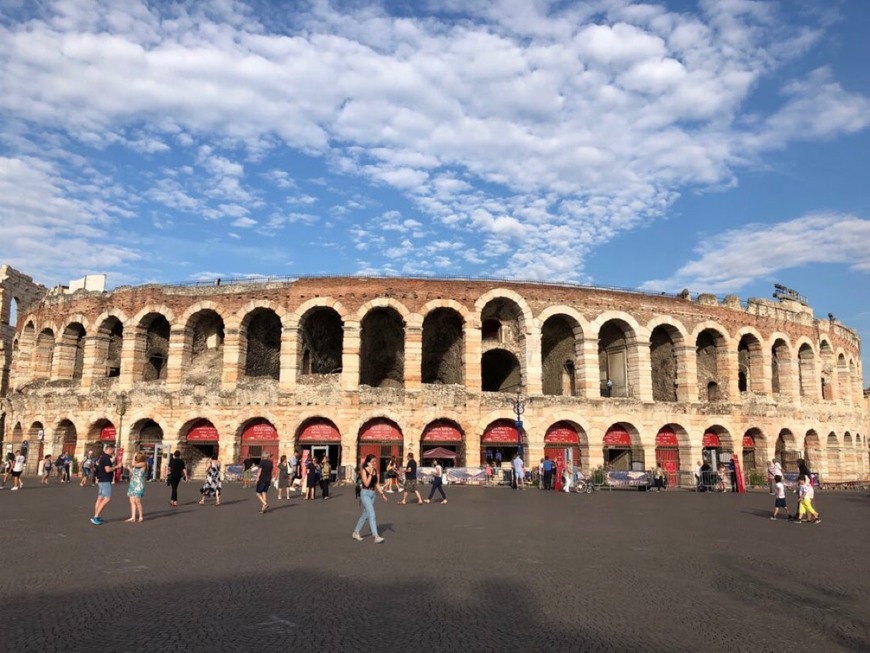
(105, 471)
(411, 481)
(264, 479)
(177, 473)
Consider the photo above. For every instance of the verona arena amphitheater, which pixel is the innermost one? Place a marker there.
(352, 365)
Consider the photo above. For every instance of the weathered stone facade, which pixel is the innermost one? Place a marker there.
(367, 356)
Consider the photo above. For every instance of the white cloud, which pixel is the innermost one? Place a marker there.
(729, 261)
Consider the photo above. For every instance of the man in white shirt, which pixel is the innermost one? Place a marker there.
(17, 470)
(517, 465)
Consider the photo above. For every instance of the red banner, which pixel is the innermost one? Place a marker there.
(320, 431)
(617, 437)
(500, 433)
(710, 440)
(261, 431)
(203, 432)
(381, 432)
(667, 438)
(108, 433)
(441, 432)
(561, 435)
(748, 442)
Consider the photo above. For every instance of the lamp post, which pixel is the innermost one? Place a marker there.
(519, 408)
(121, 409)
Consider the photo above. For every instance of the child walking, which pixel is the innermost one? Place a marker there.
(779, 492)
(806, 511)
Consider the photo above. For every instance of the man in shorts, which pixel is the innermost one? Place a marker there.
(105, 471)
(411, 481)
(18, 470)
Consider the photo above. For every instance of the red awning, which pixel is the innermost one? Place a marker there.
(710, 440)
(441, 432)
(108, 433)
(500, 433)
(617, 436)
(440, 452)
(561, 435)
(381, 431)
(320, 431)
(667, 438)
(260, 432)
(203, 431)
(748, 442)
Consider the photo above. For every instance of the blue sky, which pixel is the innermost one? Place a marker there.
(720, 145)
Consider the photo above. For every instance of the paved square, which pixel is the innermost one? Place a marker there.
(493, 570)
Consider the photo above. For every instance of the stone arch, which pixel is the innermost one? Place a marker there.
(468, 317)
(786, 451)
(151, 345)
(319, 302)
(238, 320)
(673, 450)
(618, 360)
(849, 462)
(623, 448)
(443, 346)
(812, 449)
(711, 356)
(561, 349)
(854, 379)
(750, 361)
(501, 371)
(807, 371)
(384, 303)
(260, 334)
(203, 339)
(828, 369)
(71, 354)
(320, 342)
(525, 316)
(382, 346)
(666, 341)
(723, 433)
(843, 389)
(109, 345)
(43, 355)
(754, 449)
(574, 448)
(504, 325)
(780, 365)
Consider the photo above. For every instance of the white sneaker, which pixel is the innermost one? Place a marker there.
(356, 536)
(13, 489)
(378, 539)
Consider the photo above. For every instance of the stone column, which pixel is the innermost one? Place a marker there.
(231, 368)
(687, 373)
(90, 369)
(289, 359)
(132, 352)
(63, 361)
(640, 372)
(473, 352)
(534, 369)
(413, 357)
(589, 375)
(350, 356)
(727, 366)
(178, 354)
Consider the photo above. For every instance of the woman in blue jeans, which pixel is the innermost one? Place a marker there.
(369, 486)
(437, 483)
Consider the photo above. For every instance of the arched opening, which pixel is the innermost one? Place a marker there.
(749, 364)
(199, 442)
(443, 347)
(204, 335)
(668, 453)
(259, 436)
(780, 365)
(663, 361)
(382, 349)
(500, 372)
(812, 450)
(843, 392)
(490, 331)
(261, 339)
(854, 379)
(35, 438)
(73, 351)
(383, 439)
(320, 345)
(786, 452)
(13, 312)
(717, 450)
(826, 354)
(110, 343)
(152, 342)
(617, 358)
(753, 465)
(499, 444)
(321, 439)
(710, 347)
(807, 372)
(444, 440)
(44, 354)
(147, 434)
(66, 434)
(503, 328)
(623, 450)
(560, 340)
(566, 444)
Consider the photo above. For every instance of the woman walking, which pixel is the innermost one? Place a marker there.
(325, 476)
(368, 487)
(212, 485)
(46, 470)
(437, 483)
(136, 487)
(311, 478)
(177, 473)
(283, 478)
(87, 469)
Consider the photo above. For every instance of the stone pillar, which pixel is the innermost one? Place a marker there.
(588, 371)
(727, 368)
(413, 357)
(763, 376)
(473, 352)
(534, 369)
(63, 361)
(640, 372)
(687, 373)
(132, 351)
(289, 359)
(89, 366)
(231, 367)
(179, 353)
(350, 356)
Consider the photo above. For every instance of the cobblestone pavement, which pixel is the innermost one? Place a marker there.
(493, 570)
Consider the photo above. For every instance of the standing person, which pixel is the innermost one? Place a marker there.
(59, 468)
(437, 484)
(659, 478)
(567, 477)
(149, 467)
(325, 476)
(177, 473)
(136, 487)
(105, 474)
(804, 470)
(391, 475)
(548, 473)
(247, 463)
(411, 480)
(67, 467)
(46, 470)
(87, 469)
(368, 487)
(609, 385)
(771, 476)
(310, 478)
(732, 473)
(293, 463)
(283, 477)
(264, 480)
(212, 485)
(806, 511)
(18, 470)
(777, 469)
(779, 502)
(498, 458)
(9, 459)
(517, 467)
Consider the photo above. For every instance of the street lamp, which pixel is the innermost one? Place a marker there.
(519, 408)
(121, 409)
